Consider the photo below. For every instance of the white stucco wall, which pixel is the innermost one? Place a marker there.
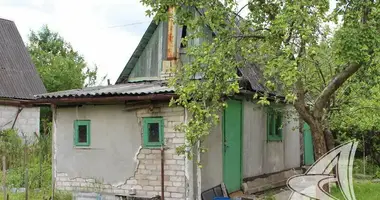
(259, 155)
(27, 123)
(115, 161)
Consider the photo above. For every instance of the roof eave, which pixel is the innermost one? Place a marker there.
(100, 99)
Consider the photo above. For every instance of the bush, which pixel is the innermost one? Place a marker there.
(33, 158)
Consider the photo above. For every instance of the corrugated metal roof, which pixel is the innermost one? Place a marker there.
(141, 88)
(19, 78)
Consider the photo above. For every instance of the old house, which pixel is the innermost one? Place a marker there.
(19, 82)
(120, 139)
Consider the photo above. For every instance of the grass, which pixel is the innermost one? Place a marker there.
(38, 196)
(363, 190)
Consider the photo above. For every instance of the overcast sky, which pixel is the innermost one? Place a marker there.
(105, 32)
(99, 29)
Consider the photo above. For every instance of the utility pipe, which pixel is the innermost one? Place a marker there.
(162, 173)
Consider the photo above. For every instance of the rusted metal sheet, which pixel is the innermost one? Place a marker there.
(19, 78)
(171, 41)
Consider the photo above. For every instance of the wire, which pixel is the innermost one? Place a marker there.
(131, 24)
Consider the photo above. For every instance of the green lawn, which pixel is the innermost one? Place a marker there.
(363, 190)
(38, 196)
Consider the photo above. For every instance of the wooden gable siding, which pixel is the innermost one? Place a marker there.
(195, 42)
(149, 65)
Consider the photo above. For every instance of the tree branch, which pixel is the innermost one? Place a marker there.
(333, 85)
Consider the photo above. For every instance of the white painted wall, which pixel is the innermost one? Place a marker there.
(28, 121)
(115, 139)
(261, 156)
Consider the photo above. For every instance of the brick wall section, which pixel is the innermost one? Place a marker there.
(147, 178)
(28, 121)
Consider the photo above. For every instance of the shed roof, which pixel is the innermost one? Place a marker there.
(19, 78)
(141, 88)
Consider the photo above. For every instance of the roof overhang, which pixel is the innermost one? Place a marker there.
(16, 102)
(103, 99)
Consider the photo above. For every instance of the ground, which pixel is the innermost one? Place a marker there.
(364, 190)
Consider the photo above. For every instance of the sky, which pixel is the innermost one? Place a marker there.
(105, 32)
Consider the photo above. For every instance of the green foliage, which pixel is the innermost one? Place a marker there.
(59, 65)
(26, 157)
(305, 49)
(363, 190)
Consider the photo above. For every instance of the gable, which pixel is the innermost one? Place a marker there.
(149, 64)
(146, 61)
(19, 78)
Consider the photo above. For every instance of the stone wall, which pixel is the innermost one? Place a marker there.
(27, 123)
(146, 179)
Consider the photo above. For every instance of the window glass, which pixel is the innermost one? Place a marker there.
(154, 134)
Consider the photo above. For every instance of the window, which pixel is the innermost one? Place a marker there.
(274, 125)
(183, 35)
(153, 128)
(82, 132)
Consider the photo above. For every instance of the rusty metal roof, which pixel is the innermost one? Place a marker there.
(141, 88)
(19, 78)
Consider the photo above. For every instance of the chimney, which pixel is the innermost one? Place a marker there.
(108, 81)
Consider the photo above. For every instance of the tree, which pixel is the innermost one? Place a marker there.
(59, 65)
(306, 50)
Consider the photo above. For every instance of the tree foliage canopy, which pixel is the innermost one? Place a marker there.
(307, 50)
(59, 65)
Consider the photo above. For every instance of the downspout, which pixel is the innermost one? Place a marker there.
(199, 175)
(17, 114)
(189, 170)
(162, 173)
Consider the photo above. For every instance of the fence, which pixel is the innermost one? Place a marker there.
(26, 165)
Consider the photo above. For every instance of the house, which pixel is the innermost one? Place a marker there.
(19, 82)
(120, 139)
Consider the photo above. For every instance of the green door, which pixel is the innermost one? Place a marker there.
(232, 133)
(308, 145)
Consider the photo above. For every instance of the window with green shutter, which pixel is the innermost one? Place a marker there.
(153, 132)
(274, 124)
(82, 134)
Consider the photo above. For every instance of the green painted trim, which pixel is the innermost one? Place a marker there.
(274, 125)
(148, 120)
(241, 140)
(77, 123)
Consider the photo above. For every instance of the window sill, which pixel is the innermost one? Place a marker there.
(82, 147)
(152, 147)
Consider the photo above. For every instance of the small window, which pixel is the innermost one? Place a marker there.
(82, 132)
(274, 125)
(183, 35)
(153, 131)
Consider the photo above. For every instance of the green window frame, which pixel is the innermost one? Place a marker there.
(80, 124)
(274, 124)
(152, 139)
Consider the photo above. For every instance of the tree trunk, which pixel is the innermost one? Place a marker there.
(330, 142)
(319, 142)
